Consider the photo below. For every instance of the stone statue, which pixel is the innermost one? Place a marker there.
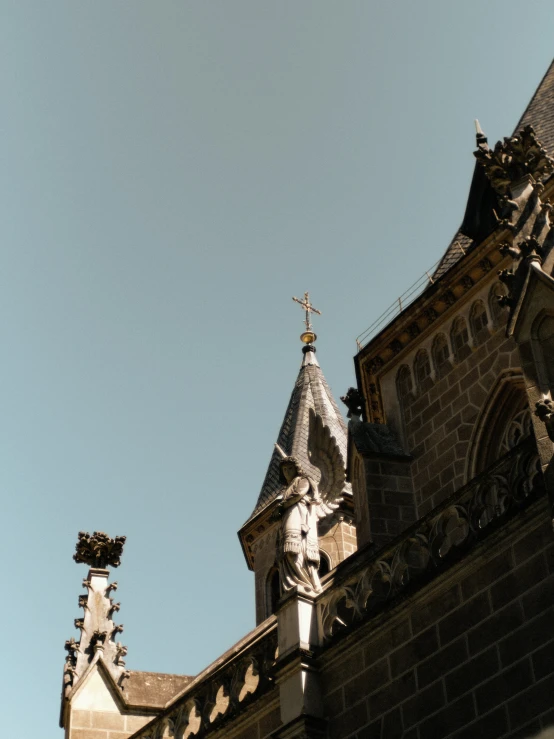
(303, 503)
(297, 542)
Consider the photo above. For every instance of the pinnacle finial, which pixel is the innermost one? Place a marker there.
(308, 336)
(479, 134)
(98, 549)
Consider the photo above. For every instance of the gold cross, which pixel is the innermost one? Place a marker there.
(308, 307)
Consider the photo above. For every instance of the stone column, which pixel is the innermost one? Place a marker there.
(296, 671)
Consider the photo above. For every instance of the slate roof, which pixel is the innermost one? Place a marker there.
(311, 391)
(540, 111)
(540, 114)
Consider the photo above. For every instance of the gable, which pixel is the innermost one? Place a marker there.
(95, 694)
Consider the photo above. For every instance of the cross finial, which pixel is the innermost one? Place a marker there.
(308, 336)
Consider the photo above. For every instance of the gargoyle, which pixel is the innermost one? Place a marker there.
(354, 401)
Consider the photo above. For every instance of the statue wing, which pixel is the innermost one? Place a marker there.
(324, 453)
(325, 508)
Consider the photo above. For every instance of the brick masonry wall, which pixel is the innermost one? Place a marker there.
(440, 421)
(468, 657)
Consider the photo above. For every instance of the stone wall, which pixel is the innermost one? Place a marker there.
(441, 421)
(104, 725)
(471, 655)
(435, 398)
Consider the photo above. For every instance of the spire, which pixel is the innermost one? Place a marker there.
(311, 404)
(98, 631)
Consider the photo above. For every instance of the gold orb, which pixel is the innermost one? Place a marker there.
(308, 337)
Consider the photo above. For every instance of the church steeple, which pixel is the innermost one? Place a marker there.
(312, 425)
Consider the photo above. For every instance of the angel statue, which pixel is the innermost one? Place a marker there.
(301, 506)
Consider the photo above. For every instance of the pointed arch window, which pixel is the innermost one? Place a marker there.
(505, 422)
(460, 339)
(273, 591)
(404, 385)
(441, 355)
(422, 370)
(479, 322)
(324, 563)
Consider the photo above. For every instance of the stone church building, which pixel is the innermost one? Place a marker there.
(423, 605)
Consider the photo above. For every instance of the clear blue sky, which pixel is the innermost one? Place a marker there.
(171, 174)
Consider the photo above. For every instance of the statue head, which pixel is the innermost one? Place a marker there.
(289, 468)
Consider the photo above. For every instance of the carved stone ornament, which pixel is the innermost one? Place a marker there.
(354, 401)
(221, 694)
(513, 158)
(414, 330)
(431, 314)
(99, 550)
(448, 297)
(466, 282)
(440, 538)
(98, 631)
(395, 346)
(545, 411)
(375, 365)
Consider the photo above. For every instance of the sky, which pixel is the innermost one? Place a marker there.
(171, 174)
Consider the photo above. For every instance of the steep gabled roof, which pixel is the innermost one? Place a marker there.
(311, 393)
(539, 114)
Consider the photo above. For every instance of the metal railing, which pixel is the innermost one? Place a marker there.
(403, 301)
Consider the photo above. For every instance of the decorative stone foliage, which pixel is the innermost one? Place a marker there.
(99, 550)
(434, 542)
(513, 158)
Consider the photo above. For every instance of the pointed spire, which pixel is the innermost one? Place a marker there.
(311, 396)
(311, 401)
(98, 631)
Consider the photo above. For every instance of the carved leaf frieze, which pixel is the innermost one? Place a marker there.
(435, 541)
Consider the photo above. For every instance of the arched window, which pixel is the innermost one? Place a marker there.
(324, 563)
(404, 385)
(273, 591)
(479, 322)
(504, 423)
(498, 312)
(441, 355)
(422, 370)
(460, 339)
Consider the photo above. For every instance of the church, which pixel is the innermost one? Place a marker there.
(404, 561)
